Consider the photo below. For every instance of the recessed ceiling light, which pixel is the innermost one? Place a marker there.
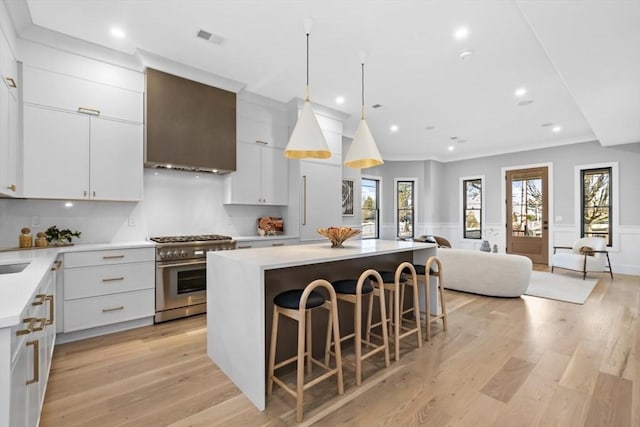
(466, 53)
(197, 176)
(556, 129)
(520, 92)
(118, 32)
(340, 100)
(525, 103)
(68, 205)
(156, 173)
(461, 33)
(451, 148)
(393, 128)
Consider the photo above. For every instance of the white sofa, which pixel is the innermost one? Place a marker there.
(492, 274)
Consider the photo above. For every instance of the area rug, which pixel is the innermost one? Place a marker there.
(560, 287)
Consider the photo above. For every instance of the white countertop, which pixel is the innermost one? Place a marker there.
(289, 256)
(17, 289)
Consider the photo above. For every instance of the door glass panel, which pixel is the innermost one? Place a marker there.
(526, 207)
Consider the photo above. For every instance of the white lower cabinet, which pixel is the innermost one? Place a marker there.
(31, 352)
(108, 287)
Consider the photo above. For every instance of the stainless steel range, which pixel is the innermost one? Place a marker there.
(181, 273)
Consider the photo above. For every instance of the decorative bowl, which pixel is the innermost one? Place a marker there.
(337, 235)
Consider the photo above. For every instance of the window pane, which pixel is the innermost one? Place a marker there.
(472, 208)
(370, 209)
(404, 215)
(596, 203)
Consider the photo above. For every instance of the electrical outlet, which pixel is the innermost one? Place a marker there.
(35, 221)
(132, 221)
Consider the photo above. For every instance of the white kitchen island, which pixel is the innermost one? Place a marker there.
(241, 285)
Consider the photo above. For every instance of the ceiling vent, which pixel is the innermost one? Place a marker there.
(376, 106)
(211, 38)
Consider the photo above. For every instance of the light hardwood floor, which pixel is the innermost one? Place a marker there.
(503, 362)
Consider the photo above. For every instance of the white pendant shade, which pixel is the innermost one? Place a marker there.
(307, 140)
(363, 152)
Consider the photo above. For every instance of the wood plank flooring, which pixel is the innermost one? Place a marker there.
(503, 362)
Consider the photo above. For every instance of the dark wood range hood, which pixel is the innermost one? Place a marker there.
(188, 125)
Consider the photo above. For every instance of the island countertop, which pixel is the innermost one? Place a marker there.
(295, 255)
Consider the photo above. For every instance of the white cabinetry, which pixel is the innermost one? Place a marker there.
(261, 176)
(108, 287)
(321, 199)
(87, 135)
(31, 351)
(9, 119)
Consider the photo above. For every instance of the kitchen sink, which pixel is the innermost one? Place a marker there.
(13, 268)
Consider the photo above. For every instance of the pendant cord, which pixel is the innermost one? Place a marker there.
(307, 59)
(363, 90)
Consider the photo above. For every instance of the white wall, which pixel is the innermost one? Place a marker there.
(175, 202)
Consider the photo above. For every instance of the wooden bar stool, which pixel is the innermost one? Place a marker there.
(422, 270)
(395, 283)
(351, 291)
(298, 304)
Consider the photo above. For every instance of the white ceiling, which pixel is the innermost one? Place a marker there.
(579, 60)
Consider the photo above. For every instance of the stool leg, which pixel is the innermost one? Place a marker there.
(327, 347)
(427, 302)
(309, 342)
(300, 366)
(385, 335)
(338, 344)
(416, 312)
(396, 321)
(369, 317)
(272, 350)
(357, 342)
(442, 305)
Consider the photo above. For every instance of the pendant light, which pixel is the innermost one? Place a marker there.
(363, 152)
(307, 140)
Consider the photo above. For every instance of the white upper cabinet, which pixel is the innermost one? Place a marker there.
(9, 120)
(261, 176)
(86, 134)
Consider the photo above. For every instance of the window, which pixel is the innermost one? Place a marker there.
(405, 213)
(596, 195)
(472, 208)
(370, 208)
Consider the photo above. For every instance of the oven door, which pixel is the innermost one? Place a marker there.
(180, 284)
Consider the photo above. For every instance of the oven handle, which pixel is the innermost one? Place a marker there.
(182, 264)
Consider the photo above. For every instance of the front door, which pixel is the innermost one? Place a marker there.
(527, 219)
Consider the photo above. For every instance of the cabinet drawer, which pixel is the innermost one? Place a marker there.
(108, 257)
(110, 279)
(57, 90)
(266, 243)
(108, 309)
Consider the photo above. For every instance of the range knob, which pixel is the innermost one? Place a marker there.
(162, 254)
(176, 254)
(183, 253)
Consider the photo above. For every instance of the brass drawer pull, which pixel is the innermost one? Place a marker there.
(11, 187)
(56, 266)
(31, 321)
(36, 361)
(91, 111)
(11, 82)
(277, 244)
(42, 323)
(40, 299)
(113, 279)
(106, 310)
(262, 142)
(244, 247)
(113, 257)
(52, 309)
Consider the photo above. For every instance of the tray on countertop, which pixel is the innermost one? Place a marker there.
(35, 247)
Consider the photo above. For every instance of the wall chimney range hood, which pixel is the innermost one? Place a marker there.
(188, 125)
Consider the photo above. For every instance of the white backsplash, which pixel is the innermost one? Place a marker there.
(174, 203)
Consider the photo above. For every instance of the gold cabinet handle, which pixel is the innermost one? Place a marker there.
(244, 247)
(40, 299)
(277, 244)
(90, 111)
(11, 187)
(113, 279)
(42, 321)
(31, 323)
(36, 361)
(262, 142)
(304, 200)
(113, 256)
(11, 82)
(56, 266)
(52, 309)
(94, 194)
(106, 310)
(84, 193)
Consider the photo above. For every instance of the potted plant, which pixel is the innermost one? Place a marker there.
(58, 237)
